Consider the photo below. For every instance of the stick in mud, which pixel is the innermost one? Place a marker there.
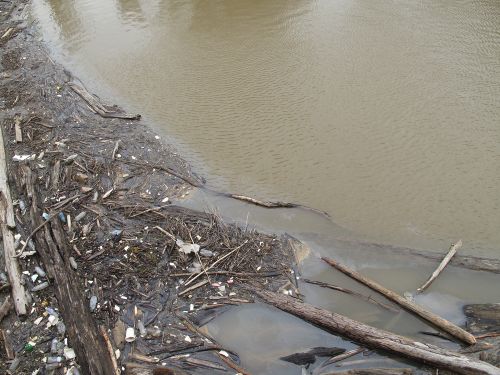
(377, 338)
(442, 265)
(430, 317)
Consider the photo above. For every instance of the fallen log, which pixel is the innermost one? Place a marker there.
(7, 222)
(374, 371)
(89, 344)
(377, 338)
(462, 261)
(428, 316)
(442, 265)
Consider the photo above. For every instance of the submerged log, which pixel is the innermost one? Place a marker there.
(483, 318)
(430, 317)
(377, 338)
(89, 344)
(374, 371)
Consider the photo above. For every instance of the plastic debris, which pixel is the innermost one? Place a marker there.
(80, 216)
(93, 303)
(40, 287)
(62, 217)
(23, 157)
(69, 353)
(29, 346)
(187, 248)
(206, 253)
(130, 334)
(73, 263)
(45, 216)
(40, 271)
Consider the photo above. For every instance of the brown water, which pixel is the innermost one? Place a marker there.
(384, 114)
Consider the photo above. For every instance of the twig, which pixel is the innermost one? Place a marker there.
(115, 149)
(351, 292)
(34, 232)
(215, 263)
(192, 287)
(339, 358)
(172, 237)
(486, 335)
(442, 265)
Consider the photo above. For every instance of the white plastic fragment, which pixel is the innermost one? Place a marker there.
(69, 353)
(187, 248)
(130, 334)
(23, 157)
(187, 338)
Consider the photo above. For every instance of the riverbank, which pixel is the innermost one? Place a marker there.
(108, 261)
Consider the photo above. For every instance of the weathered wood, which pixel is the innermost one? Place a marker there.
(482, 318)
(89, 344)
(377, 338)
(374, 371)
(442, 265)
(428, 316)
(7, 222)
(17, 128)
(99, 108)
(4, 186)
(5, 308)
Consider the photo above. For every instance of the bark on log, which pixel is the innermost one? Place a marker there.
(89, 344)
(378, 339)
(430, 317)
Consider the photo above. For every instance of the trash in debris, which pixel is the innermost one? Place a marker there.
(116, 234)
(23, 157)
(93, 303)
(40, 287)
(80, 216)
(62, 217)
(45, 216)
(73, 263)
(130, 334)
(40, 271)
(69, 353)
(206, 253)
(187, 248)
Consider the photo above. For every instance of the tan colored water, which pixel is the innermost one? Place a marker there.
(385, 114)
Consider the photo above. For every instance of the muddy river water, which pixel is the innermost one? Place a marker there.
(385, 114)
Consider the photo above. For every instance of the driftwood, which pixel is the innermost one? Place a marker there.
(309, 357)
(99, 108)
(377, 338)
(374, 371)
(351, 292)
(7, 222)
(89, 344)
(442, 265)
(462, 261)
(5, 308)
(269, 204)
(430, 317)
(483, 318)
